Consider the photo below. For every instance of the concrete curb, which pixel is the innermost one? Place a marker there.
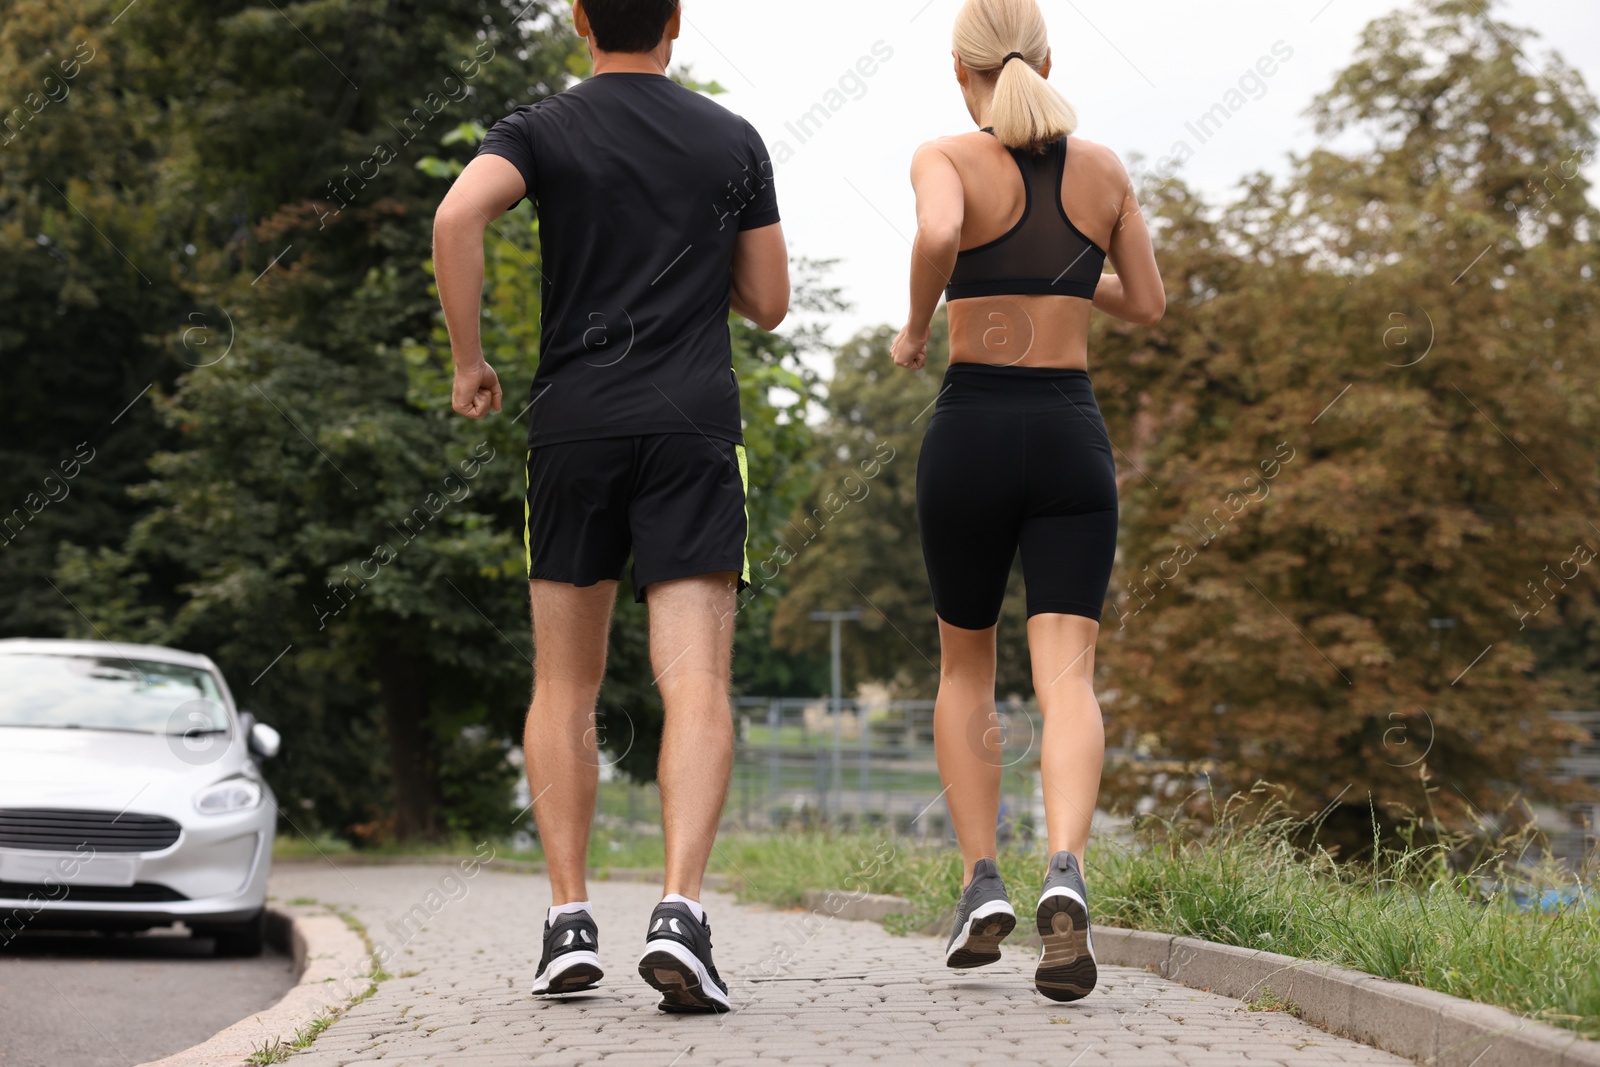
(333, 963)
(1428, 1027)
(843, 904)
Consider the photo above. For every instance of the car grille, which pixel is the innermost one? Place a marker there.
(142, 893)
(45, 830)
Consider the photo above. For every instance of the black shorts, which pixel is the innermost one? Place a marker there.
(1017, 458)
(675, 501)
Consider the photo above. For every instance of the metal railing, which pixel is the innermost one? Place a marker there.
(871, 765)
(1577, 836)
(799, 762)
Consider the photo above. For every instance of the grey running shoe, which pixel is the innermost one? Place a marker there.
(983, 919)
(1066, 966)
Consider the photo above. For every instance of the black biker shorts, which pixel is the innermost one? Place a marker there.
(1017, 458)
(676, 502)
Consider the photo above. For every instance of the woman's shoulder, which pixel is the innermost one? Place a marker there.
(957, 143)
(962, 151)
(1097, 155)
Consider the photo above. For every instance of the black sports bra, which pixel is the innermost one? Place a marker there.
(1044, 253)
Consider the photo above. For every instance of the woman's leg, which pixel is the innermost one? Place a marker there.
(970, 484)
(1074, 744)
(967, 740)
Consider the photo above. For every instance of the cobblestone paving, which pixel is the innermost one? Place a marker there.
(806, 989)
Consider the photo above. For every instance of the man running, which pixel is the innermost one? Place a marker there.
(656, 215)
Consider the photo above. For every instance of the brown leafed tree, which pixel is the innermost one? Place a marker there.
(1360, 462)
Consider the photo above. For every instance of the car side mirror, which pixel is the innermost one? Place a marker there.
(264, 740)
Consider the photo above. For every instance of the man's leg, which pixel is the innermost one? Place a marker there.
(570, 629)
(691, 649)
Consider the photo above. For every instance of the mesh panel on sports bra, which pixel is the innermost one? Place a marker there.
(1044, 253)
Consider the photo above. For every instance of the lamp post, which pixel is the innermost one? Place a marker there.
(834, 619)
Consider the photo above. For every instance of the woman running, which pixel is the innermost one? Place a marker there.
(1015, 223)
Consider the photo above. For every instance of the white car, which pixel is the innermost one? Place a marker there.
(129, 794)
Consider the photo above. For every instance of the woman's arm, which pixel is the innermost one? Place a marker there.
(1135, 293)
(941, 209)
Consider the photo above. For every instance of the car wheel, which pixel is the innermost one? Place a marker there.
(242, 941)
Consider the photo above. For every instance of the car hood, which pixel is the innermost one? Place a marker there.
(99, 770)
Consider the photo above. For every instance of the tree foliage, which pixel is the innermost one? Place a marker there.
(1364, 440)
(318, 521)
(94, 275)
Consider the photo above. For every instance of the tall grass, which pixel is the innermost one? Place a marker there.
(1473, 930)
(1414, 913)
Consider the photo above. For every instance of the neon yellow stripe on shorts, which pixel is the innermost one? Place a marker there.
(744, 478)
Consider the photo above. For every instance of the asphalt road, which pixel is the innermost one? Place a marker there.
(91, 1001)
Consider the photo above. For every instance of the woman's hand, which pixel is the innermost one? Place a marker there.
(910, 349)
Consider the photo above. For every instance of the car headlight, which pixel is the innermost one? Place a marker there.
(230, 794)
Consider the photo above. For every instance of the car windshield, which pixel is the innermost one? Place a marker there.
(108, 693)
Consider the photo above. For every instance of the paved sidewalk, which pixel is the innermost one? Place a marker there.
(807, 990)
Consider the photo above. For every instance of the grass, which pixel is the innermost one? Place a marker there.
(293, 846)
(610, 851)
(1269, 1000)
(279, 1051)
(1250, 880)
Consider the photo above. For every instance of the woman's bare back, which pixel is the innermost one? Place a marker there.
(1036, 331)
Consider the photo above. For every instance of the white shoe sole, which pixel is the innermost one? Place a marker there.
(682, 980)
(570, 972)
(1067, 969)
(979, 942)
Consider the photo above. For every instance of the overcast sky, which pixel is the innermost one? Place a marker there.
(1138, 73)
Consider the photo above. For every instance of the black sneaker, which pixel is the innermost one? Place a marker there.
(571, 960)
(1067, 969)
(983, 919)
(677, 961)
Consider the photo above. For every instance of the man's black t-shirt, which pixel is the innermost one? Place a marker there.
(642, 187)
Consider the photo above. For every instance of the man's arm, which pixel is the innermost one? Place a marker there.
(761, 276)
(486, 189)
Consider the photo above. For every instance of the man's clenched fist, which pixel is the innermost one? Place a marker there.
(477, 391)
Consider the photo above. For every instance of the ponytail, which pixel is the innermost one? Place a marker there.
(1027, 112)
(1008, 40)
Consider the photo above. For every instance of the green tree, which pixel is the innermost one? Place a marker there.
(94, 278)
(313, 526)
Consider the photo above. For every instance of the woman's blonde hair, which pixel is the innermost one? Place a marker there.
(1027, 112)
